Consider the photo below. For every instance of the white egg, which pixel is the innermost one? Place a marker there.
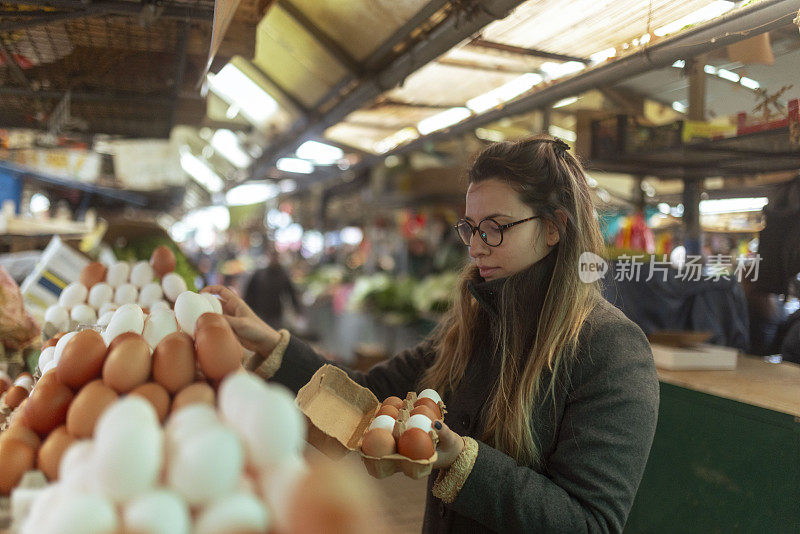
(189, 306)
(158, 325)
(206, 466)
(127, 318)
(385, 422)
(49, 366)
(150, 294)
(24, 381)
(83, 314)
(240, 512)
(272, 427)
(38, 514)
(129, 449)
(107, 307)
(141, 274)
(105, 318)
(101, 293)
(236, 392)
(126, 294)
(72, 295)
(173, 285)
(58, 316)
(277, 487)
(61, 344)
(216, 305)
(160, 305)
(423, 422)
(430, 394)
(46, 356)
(81, 513)
(118, 274)
(157, 512)
(76, 466)
(189, 420)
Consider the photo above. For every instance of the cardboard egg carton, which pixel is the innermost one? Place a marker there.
(339, 412)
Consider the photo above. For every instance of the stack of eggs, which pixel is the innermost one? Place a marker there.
(209, 470)
(101, 290)
(404, 426)
(171, 359)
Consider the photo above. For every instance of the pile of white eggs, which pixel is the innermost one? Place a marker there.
(206, 471)
(123, 284)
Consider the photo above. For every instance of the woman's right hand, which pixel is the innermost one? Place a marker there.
(253, 333)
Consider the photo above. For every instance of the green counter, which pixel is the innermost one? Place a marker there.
(726, 455)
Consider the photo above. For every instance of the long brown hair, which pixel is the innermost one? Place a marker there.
(552, 182)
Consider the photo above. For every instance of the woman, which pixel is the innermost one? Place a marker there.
(552, 394)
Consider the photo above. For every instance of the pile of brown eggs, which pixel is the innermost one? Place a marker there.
(404, 426)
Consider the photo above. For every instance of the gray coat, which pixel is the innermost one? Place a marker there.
(595, 437)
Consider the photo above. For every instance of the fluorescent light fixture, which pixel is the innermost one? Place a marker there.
(711, 11)
(679, 64)
(295, 165)
(201, 172)
(254, 193)
(442, 120)
(504, 93)
(487, 134)
(241, 92)
(644, 39)
(565, 102)
(563, 133)
(599, 57)
(39, 203)
(680, 107)
(710, 69)
(728, 75)
(732, 205)
(663, 207)
(319, 153)
(398, 138)
(749, 83)
(558, 70)
(226, 143)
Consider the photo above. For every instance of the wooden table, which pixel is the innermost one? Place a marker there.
(726, 455)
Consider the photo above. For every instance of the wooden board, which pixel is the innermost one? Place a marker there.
(754, 381)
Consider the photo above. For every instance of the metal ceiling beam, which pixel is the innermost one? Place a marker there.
(341, 55)
(180, 69)
(445, 36)
(531, 52)
(736, 26)
(83, 96)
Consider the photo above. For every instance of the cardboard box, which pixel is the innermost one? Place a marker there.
(339, 412)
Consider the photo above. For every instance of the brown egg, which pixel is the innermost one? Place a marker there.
(430, 404)
(391, 411)
(18, 415)
(378, 442)
(90, 403)
(47, 407)
(415, 444)
(16, 458)
(162, 261)
(210, 319)
(4, 386)
(82, 359)
(424, 410)
(128, 364)
(174, 362)
(53, 340)
(52, 450)
(219, 353)
(157, 396)
(92, 274)
(50, 377)
(25, 380)
(122, 337)
(198, 393)
(22, 433)
(15, 395)
(393, 401)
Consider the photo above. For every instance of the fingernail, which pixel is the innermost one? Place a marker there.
(437, 425)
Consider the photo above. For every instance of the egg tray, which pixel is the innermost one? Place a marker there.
(339, 412)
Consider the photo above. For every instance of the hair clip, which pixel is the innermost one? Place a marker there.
(560, 145)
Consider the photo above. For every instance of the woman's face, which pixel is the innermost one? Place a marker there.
(522, 245)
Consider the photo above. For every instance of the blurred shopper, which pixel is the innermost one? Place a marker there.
(551, 392)
(268, 289)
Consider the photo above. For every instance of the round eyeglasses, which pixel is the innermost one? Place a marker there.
(490, 231)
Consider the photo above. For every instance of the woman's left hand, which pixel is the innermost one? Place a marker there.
(450, 446)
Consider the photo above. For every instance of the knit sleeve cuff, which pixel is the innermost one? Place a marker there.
(266, 367)
(450, 481)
